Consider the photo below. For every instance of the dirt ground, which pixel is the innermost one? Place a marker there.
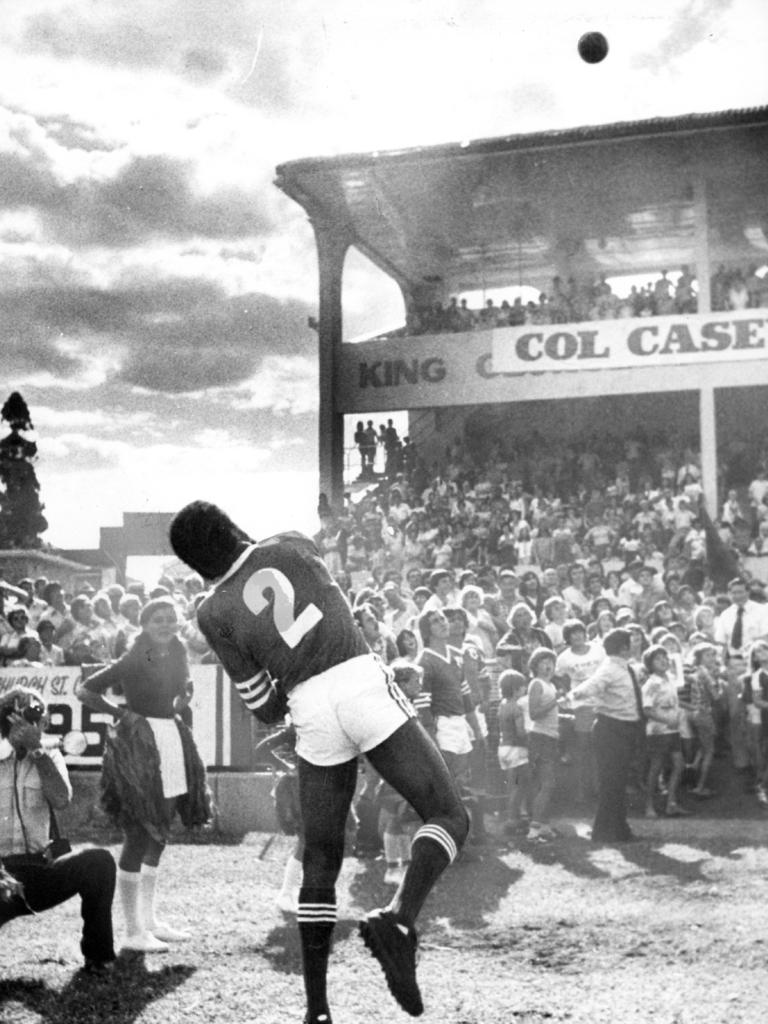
(672, 929)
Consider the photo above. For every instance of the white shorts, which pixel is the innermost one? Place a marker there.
(512, 757)
(168, 742)
(346, 711)
(454, 734)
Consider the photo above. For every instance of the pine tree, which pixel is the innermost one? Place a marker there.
(21, 513)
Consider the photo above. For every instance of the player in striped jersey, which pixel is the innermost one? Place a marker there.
(286, 637)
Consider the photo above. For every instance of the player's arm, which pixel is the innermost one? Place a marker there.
(262, 695)
(256, 688)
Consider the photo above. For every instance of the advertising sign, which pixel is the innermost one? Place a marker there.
(218, 720)
(661, 340)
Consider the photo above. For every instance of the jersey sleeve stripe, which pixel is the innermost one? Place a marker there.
(254, 696)
(259, 678)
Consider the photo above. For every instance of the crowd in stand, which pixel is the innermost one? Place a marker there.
(532, 556)
(51, 627)
(570, 301)
(547, 552)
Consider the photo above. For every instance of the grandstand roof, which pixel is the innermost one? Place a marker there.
(517, 209)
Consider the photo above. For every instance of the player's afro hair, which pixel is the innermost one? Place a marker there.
(205, 538)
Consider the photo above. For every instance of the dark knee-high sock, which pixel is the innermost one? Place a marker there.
(434, 847)
(316, 917)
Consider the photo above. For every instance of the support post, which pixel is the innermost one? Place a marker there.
(708, 440)
(701, 242)
(332, 244)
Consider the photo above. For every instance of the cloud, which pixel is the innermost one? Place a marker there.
(200, 338)
(28, 344)
(698, 21)
(99, 35)
(84, 451)
(152, 198)
(203, 64)
(159, 334)
(91, 190)
(49, 420)
(283, 384)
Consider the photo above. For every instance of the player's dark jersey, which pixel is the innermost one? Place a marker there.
(442, 680)
(279, 609)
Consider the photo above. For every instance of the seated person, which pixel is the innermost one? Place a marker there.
(33, 780)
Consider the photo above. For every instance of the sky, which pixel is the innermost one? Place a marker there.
(155, 286)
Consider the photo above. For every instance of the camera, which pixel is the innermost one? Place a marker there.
(32, 713)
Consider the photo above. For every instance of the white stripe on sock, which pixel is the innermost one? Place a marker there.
(437, 834)
(317, 912)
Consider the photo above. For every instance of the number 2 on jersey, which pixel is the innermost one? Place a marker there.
(291, 628)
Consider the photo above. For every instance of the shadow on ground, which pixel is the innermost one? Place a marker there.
(119, 998)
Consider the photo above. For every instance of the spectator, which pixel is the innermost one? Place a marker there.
(755, 699)
(82, 625)
(662, 726)
(742, 622)
(575, 594)
(34, 779)
(579, 661)
(442, 679)
(480, 624)
(704, 691)
(513, 752)
(543, 738)
(443, 592)
(17, 618)
(522, 636)
(400, 612)
(618, 703)
(555, 613)
(407, 643)
(50, 654)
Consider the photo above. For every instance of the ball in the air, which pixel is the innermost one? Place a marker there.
(593, 47)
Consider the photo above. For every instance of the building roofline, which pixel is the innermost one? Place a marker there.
(620, 130)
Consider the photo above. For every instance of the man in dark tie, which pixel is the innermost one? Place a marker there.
(743, 621)
(614, 693)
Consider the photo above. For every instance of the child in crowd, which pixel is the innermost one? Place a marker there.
(543, 736)
(662, 714)
(705, 689)
(755, 697)
(513, 750)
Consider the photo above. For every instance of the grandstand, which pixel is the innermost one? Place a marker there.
(581, 217)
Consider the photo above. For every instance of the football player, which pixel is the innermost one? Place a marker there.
(286, 637)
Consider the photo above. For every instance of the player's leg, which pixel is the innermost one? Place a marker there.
(325, 793)
(412, 764)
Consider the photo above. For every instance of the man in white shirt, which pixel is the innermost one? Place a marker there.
(758, 488)
(630, 589)
(444, 592)
(33, 781)
(742, 622)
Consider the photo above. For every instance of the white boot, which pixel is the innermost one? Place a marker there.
(137, 939)
(287, 899)
(159, 929)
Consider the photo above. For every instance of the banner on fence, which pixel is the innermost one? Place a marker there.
(220, 723)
